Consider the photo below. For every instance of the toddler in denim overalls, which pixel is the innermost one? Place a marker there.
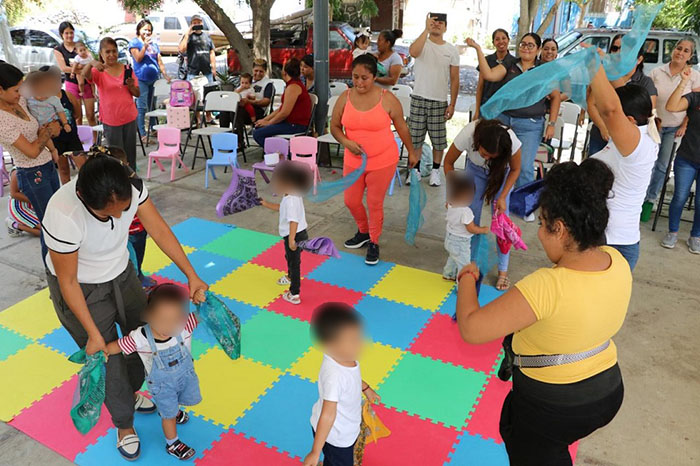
(460, 223)
(167, 359)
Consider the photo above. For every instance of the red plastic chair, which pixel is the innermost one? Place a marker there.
(308, 146)
(168, 148)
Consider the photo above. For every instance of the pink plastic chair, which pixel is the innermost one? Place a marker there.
(308, 146)
(4, 176)
(168, 148)
(85, 136)
(272, 145)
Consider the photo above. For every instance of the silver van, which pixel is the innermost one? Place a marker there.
(658, 46)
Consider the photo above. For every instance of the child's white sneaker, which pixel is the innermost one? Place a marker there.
(284, 281)
(143, 404)
(291, 298)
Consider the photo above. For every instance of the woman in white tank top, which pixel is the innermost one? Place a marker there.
(630, 154)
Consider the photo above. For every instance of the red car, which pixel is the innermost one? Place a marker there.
(297, 40)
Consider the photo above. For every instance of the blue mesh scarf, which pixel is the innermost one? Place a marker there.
(416, 203)
(327, 189)
(573, 73)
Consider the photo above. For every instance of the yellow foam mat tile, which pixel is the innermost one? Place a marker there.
(308, 365)
(33, 317)
(155, 259)
(376, 362)
(251, 284)
(229, 388)
(413, 287)
(30, 374)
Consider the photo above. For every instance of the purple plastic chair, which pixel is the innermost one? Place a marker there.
(85, 136)
(272, 145)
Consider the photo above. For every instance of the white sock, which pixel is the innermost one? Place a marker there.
(171, 441)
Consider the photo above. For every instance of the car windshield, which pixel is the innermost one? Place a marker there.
(567, 39)
(348, 32)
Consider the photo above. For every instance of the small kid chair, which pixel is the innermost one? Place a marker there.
(272, 145)
(306, 145)
(85, 136)
(225, 152)
(168, 148)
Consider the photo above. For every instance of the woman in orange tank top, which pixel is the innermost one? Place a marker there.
(361, 122)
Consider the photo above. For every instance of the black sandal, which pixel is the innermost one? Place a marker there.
(180, 450)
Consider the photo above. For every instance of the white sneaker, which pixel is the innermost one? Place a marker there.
(12, 230)
(291, 298)
(144, 404)
(408, 176)
(435, 177)
(284, 281)
(129, 446)
(530, 218)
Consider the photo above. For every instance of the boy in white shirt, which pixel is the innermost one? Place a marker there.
(460, 223)
(337, 415)
(291, 180)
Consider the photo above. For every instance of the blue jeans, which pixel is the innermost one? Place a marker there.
(138, 242)
(39, 184)
(209, 76)
(480, 180)
(629, 252)
(260, 134)
(529, 131)
(459, 254)
(144, 104)
(685, 172)
(659, 172)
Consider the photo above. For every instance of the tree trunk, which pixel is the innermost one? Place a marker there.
(235, 39)
(548, 19)
(261, 28)
(583, 6)
(523, 21)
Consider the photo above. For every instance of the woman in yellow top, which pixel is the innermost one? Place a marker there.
(572, 310)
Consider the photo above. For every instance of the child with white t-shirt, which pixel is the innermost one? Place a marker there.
(291, 180)
(164, 345)
(460, 223)
(337, 415)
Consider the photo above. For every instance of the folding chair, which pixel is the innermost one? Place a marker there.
(337, 88)
(216, 101)
(307, 132)
(402, 90)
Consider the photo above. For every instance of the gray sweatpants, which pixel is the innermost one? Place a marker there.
(119, 301)
(123, 136)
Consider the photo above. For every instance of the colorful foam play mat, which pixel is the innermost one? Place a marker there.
(440, 396)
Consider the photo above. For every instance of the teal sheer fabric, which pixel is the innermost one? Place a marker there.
(572, 73)
(416, 203)
(222, 323)
(327, 189)
(90, 392)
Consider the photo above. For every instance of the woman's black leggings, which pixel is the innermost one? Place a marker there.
(539, 420)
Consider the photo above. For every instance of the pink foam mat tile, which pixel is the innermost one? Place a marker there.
(234, 449)
(160, 280)
(440, 340)
(484, 420)
(313, 294)
(412, 441)
(48, 422)
(273, 258)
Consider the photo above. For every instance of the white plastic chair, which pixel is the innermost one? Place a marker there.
(337, 88)
(400, 90)
(216, 101)
(161, 91)
(314, 103)
(569, 114)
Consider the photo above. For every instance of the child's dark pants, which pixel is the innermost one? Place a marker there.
(337, 456)
(294, 261)
(138, 241)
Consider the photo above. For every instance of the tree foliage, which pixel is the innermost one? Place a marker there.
(677, 14)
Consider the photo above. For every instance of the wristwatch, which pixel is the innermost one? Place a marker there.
(551, 123)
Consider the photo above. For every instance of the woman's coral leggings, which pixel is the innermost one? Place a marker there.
(376, 182)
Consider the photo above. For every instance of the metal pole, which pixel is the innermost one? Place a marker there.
(321, 77)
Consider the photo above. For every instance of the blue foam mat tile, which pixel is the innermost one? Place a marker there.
(473, 450)
(281, 417)
(197, 433)
(392, 323)
(209, 266)
(350, 272)
(487, 293)
(197, 232)
(61, 341)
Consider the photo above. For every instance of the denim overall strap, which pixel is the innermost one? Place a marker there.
(152, 343)
(181, 345)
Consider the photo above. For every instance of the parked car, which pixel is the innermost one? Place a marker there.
(34, 46)
(296, 40)
(657, 48)
(169, 28)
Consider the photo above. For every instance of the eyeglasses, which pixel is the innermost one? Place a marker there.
(614, 48)
(528, 45)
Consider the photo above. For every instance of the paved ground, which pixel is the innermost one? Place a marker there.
(658, 421)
